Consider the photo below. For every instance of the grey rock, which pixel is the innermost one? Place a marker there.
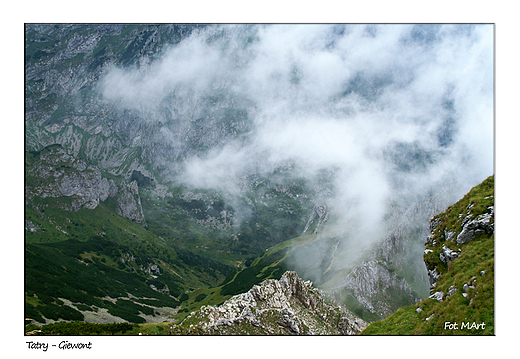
(289, 321)
(31, 227)
(284, 306)
(451, 290)
(434, 276)
(151, 269)
(437, 296)
(449, 235)
(318, 215)
(447, 255)
(434, 224)
(480, 225)
(129, 203)
(369, 282)
(58, 174)
(466, 219)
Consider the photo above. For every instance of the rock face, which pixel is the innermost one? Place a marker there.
(462, 275)
(393, 274)
(285, 306)
(58, 175)
(317, 218)
(55, 81)
(377, 288)
(129, 203)
(448, 255)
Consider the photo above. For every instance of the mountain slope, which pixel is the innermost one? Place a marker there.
(88, 257)
(459, 256)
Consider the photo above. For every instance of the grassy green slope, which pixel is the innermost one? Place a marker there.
(86, 273)
(471, 275)
(77, 256)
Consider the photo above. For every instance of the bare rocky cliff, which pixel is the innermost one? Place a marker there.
(129, 202)
(76, 185)
(395, 276)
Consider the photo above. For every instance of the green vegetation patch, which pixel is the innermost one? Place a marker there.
(81, 328)
(269, 266)
(57, 270)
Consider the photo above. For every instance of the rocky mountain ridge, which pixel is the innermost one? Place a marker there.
(372, 282)
(65, 103)
(276, 307)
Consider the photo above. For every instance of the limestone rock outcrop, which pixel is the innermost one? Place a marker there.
(285, 306)
(375, 287)
(317, 218)
(57, 174)
(482, 224)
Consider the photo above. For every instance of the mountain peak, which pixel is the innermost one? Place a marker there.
(274, 307)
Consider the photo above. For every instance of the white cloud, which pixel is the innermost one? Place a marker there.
(332, 97)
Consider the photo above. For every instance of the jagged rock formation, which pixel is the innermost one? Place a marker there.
(285, 306)
(378, 288)
(472, 228)
(448, 255)
(56, 174)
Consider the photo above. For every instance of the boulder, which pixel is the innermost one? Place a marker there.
(447, 255)
(472, 228)
(437, 296)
